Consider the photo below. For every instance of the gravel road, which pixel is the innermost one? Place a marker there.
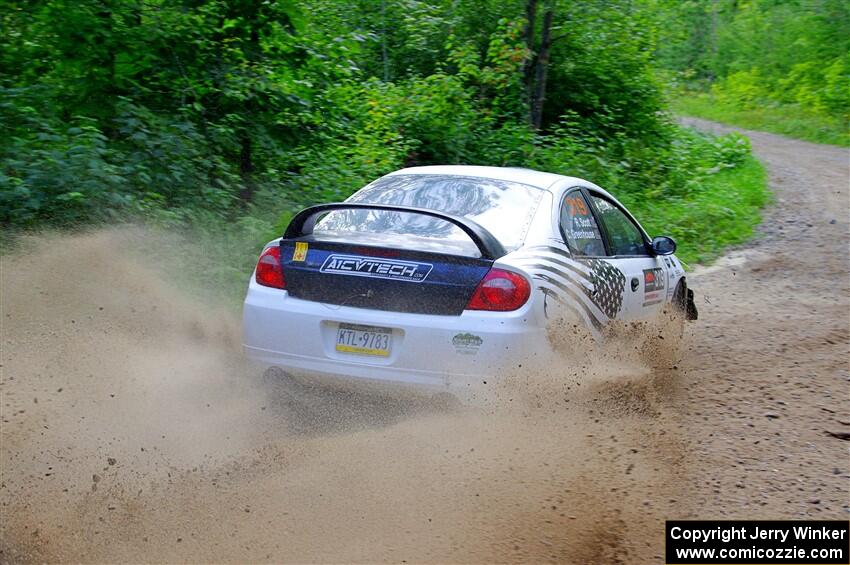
(131, 431)
(768, 375)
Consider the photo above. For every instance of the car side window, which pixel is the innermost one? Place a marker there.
(579, 226)
(624, 237)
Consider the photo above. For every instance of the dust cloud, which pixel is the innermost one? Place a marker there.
(133, 432)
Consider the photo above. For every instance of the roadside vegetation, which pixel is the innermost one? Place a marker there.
(776, 65)
(785, 119)
(218, 119)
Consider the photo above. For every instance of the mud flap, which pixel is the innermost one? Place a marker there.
(691, 309)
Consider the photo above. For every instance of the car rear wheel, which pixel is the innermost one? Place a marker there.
(680, 299)
(678, 312)
(661, 349)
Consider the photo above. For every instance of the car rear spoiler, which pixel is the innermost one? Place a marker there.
(304, 221)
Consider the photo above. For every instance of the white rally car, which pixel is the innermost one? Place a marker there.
(444, 275)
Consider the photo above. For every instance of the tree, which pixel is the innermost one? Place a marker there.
(537, 65)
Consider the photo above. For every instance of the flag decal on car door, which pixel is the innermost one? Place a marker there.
(609, 283)
(592, 287)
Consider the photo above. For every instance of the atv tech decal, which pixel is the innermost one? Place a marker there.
(376, 267)
(653, 283)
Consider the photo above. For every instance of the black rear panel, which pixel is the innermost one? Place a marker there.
(380, 278)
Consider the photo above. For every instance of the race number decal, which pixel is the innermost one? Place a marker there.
(576, 206)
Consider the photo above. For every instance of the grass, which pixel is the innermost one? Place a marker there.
(722, 212)
(785, 120)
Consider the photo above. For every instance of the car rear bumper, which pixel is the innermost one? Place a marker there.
(440, 352)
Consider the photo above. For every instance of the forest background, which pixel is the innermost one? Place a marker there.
(216, 120)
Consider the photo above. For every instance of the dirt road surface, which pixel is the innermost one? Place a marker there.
(768, 375)
(132, 432)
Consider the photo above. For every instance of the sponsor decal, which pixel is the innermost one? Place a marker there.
(376, 267)
(467, 343)
(653, 280)
(300, 253)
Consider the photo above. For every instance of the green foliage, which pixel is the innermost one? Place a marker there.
(745, 89)
(785, 119)
(661, 172)
(719, 211)
(72, 172)
(220, 118)
(762, 55)
(604, 71)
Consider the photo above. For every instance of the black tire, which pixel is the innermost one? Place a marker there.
(678, 315)
(680, 299)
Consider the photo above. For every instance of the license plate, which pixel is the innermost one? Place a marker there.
(364, 340)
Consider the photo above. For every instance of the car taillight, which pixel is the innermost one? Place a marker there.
(500, 291)
(269, 270)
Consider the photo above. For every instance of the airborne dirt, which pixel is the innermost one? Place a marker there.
(131, 431)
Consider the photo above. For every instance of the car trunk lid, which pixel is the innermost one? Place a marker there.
(380, 278)
(402, 273)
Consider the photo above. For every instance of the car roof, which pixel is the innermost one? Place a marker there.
(530, 177)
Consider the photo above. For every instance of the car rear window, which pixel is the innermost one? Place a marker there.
(504, 208)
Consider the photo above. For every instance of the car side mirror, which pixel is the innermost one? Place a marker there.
(663, 245)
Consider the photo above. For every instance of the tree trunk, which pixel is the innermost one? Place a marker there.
(105, 72)
(250, 108)
(712, 37)
(246, 168)
(385, 58)
(528, 65)
(538, 96)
